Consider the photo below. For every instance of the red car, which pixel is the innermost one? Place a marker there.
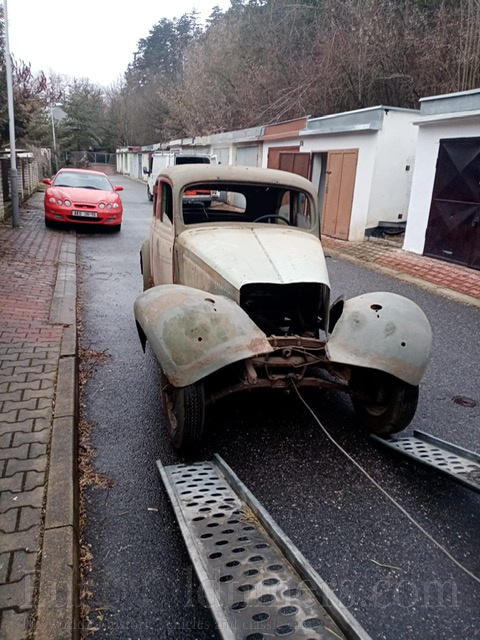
(84, 196)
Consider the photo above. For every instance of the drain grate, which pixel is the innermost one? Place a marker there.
(257, 583)
(459, 464)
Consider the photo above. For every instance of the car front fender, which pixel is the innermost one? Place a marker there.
(194, 333)
(382, 331)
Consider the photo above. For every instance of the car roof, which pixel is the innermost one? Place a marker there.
(182, 175)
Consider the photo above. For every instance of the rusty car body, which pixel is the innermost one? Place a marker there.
(237, 297)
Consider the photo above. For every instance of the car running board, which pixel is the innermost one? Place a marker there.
(256, 582)
(457, 463)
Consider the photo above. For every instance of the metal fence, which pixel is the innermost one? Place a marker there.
(87, 158)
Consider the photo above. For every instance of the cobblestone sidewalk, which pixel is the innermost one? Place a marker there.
(37, 365)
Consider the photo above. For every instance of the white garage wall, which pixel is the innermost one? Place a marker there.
(391, 183)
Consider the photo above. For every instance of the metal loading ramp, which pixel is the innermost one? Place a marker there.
(257, 583)
(457, 463)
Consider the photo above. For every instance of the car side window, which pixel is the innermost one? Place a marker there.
(163, 202)
(295, 207)
(302, 212)
(166, 203)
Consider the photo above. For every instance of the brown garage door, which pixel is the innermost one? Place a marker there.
(298, 163)
(337, 208)
(453, 231)
(274, 155)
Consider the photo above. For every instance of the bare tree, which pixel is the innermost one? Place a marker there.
(264, 61)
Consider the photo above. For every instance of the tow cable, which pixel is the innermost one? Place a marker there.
(386, 494)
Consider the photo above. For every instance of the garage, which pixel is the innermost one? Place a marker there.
(453, 230)
(444, 210)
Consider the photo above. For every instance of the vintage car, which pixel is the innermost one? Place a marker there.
(237, 297)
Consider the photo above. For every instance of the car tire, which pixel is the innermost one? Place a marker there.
(184, 411)
(115, 228)
(49, 224)
(386, 404)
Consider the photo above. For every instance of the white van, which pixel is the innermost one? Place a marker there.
(160, 160)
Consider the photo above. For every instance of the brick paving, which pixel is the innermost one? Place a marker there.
(29, 354)
(442, 274)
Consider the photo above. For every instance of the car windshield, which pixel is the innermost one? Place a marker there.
(222, 202)
(82, 180)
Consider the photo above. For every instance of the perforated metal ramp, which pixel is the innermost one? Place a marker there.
(459, 464)
(257, 583)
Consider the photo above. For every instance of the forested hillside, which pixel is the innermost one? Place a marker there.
(269, 60)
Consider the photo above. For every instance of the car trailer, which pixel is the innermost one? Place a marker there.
(257, 583)
(460, 465)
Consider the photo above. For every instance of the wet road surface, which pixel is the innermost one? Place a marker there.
(389, 575)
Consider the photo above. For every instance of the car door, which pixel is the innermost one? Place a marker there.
(162, 235)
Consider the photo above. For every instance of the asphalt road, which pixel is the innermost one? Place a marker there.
(387, 572)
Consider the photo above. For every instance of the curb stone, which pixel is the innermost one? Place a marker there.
(57, 607)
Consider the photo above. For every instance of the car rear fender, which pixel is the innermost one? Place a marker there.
(382, 331)
(194, 333)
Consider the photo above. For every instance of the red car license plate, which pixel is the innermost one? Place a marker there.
(84, 214)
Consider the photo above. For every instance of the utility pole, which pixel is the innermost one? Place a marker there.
(54, 149)
(11, 119)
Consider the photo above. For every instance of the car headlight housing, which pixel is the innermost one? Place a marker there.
(101, 205)
(60, 202)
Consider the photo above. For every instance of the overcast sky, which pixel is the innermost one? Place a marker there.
(92, 39)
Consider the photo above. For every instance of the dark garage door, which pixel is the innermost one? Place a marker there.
(453, 231)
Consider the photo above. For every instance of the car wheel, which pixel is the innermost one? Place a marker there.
(184, 409)
(385, 404)
(49, 224)
(115, 228)
(149, 195)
